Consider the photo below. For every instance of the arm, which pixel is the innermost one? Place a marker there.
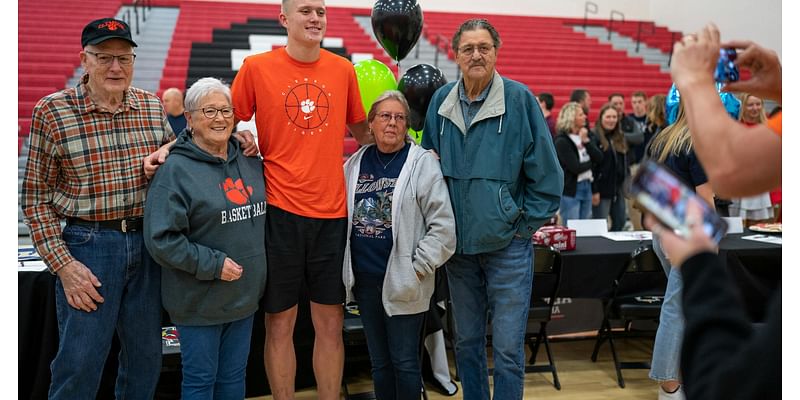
(542, 176)
(720, 346)
(568, 156)
(722, 356)
(433, 200)
(632, 132)
(166, 219)
(360, 131)
(739, 160)
(41, 175)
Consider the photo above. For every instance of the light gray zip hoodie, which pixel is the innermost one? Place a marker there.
(423, 231)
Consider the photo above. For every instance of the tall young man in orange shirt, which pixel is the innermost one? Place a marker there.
(303, 98)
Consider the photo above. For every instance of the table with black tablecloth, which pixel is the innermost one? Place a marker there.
(589, 270)
(38, 343)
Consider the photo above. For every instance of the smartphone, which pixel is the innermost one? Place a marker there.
(726, 70)
(659, 191)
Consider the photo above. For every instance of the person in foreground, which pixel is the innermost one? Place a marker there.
(87, 145)
(205, 224)
(401, 229)
(504, 180)
(724, 356)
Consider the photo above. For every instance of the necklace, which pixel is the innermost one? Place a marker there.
(377, 155)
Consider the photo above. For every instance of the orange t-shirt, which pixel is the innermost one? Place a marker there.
(776, 123)
(301, 112)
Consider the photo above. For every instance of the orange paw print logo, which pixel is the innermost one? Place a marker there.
(111, 25)
(236, 191)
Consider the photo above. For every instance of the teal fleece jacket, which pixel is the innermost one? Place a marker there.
(201, 209)
(502, 171)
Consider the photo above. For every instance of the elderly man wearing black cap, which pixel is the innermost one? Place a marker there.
(85, 167)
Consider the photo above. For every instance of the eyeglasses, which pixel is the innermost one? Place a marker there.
(211, 112)
(106, 59)
(484, 49)
(385, 117)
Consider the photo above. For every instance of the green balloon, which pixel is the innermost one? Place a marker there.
(374, 78)
(416, 135)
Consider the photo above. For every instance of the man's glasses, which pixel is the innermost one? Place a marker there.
(484, 49)
(211, 112)
(106, 59)
(385, 117)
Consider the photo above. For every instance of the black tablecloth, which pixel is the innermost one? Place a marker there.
(38, 343)
(589, 269)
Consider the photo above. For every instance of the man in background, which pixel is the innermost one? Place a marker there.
(546, 103)
(173, 105)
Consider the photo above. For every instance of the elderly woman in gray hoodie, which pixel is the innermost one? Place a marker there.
(401, 229)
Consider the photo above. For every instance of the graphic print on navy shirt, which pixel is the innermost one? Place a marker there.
(371, 235)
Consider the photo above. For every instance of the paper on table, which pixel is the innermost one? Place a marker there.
(765, 238)
(31, 266)
(621, 236)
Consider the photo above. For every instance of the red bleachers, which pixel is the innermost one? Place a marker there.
(652, 35)
(546, 54)
(49, 41)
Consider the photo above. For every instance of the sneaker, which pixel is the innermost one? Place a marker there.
(677, 395)
(451, 390)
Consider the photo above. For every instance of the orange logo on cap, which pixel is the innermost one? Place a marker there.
(111, 25)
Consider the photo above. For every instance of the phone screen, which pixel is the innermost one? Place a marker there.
(663, 194)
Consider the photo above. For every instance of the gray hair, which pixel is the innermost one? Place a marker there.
(474, 25)
(388, 95)
(202, 88)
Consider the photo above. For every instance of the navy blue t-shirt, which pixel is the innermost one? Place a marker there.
(371, 236)
(688, 168)
(178, 124)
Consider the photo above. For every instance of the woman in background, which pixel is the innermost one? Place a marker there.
(576, 154)
(752, 209)
(672, 147)
(610, 174)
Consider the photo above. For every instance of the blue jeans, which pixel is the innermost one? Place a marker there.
(214, 359)
(499, 284)
(393, 343)
(578, 207)
(131, 288)
(614, 207)
(669, 338)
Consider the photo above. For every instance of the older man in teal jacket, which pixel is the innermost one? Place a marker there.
(504, 180)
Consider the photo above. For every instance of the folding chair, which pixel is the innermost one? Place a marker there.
(546, 280)
(637, 294)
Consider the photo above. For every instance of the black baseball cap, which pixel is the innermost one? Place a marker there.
(103, 29)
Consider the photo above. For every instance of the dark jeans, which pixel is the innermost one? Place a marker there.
(393, 343)
(131, 288)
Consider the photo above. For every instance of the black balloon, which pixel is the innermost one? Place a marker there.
(418, 85)
(397, 25)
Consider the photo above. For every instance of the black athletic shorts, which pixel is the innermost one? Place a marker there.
(302, 250)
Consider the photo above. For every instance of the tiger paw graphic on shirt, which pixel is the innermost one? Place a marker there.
(236, 191)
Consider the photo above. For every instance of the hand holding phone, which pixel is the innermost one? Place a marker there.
(661, 193)
(676, 248)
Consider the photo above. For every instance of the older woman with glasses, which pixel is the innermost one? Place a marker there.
(204, 223)
(401, 230)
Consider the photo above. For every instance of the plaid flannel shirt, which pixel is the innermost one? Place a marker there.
(87, 163)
